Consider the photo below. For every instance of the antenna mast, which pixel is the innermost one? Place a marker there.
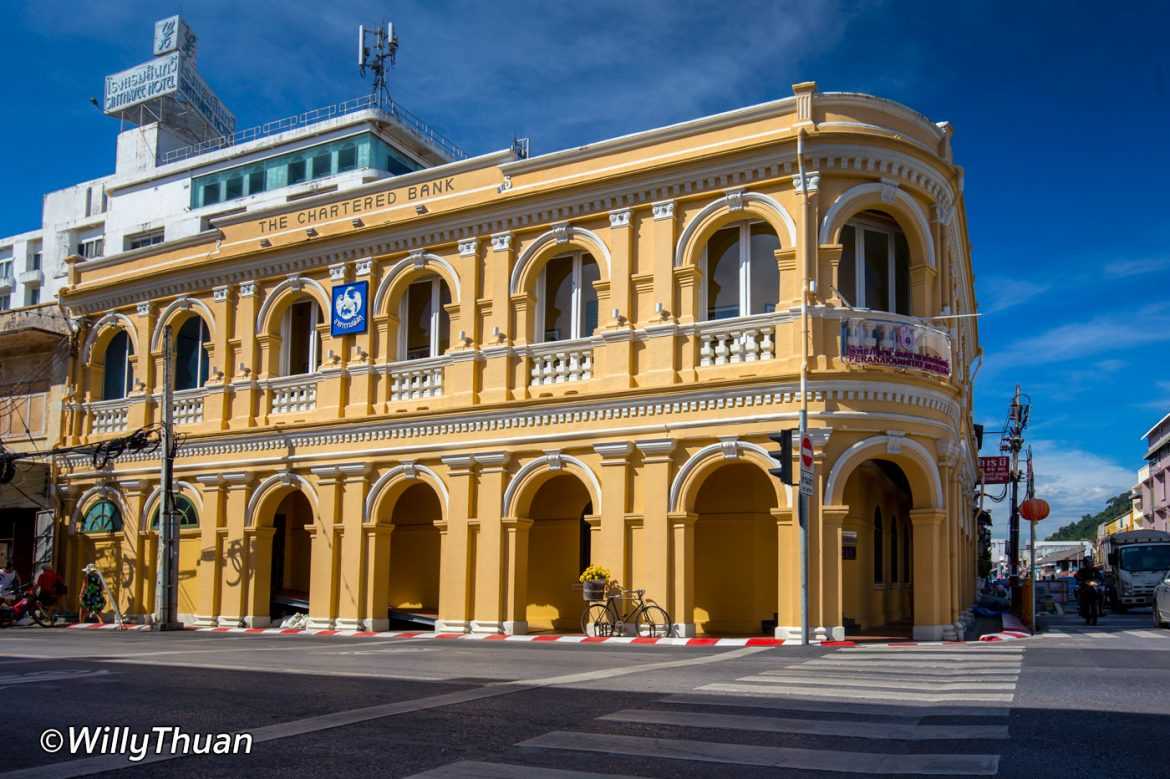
(377, 51)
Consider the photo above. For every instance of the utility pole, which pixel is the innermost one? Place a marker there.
(1013, 441)
(167, 584)
(806, 284)
(1029, 493)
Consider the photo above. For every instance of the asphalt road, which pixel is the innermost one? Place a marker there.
(1073, 702)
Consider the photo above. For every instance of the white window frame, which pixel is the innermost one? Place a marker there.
(30, 293)
(6, 269)
(860, 225)
(98, 242)
(578, 300)
(436, 282)
(149, 237)
(286, 338)
(127, 378)
(745, 269)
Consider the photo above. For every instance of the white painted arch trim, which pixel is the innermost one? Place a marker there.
(185, 303)
(570, 233)
(105, 491)
(408, 472)
(282, 479)
(724, 204)
(296, 283)
(111, 319)
(714, 451)
(186, 488)
(876, 447)
(845, 199)
(416, 260)
(550, 462)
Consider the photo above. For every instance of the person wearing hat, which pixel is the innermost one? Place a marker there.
(93, 597)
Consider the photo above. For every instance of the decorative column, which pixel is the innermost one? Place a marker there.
(516, 530)
(460, 388)
(325, 561)
(930, 595)
(495, 312)
(491, 553)
(218, 405)
(211, 549)
(377, 563)
(610, 534)
(147, 369)
(143, 557)
(831, 619)
(456, 553)
(359, 349)
(655, 482)
(246, 364)
(235, 566)
(682, 571)
(353, 561)
(657, 368)
(788, 549)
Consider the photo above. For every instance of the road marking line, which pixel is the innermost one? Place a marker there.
(895, 678)
(875, 684)
(810, 727)
(773, 757)
(952, 649)
(902, 670)
(852, 693)
(101, 763)
(1146, 634)
(908, 712)
(39, 677)
(476, 769)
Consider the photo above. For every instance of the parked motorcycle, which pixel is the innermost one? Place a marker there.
(27, 604)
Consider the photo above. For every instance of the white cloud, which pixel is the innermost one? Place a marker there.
(1003, 292)
(1120, 269)
(1075, 482)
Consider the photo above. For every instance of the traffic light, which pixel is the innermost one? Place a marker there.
(783, 458)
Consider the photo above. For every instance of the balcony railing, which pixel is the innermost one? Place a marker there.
(729, 343)
(292, 396)
(560, 363)
(416, 383)
(109, 416)
(896, 343)
(187, 407)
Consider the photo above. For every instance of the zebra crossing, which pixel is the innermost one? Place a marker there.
(1102, 636)
(938, 709)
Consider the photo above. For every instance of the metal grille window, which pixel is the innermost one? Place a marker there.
(102, 517)
(567, 308)
(740, 267)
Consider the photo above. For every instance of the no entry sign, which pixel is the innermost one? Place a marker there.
(806, 466)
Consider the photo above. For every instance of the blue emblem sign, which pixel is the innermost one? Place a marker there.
(349, 308)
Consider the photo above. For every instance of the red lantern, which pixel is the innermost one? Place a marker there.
(1034, 509)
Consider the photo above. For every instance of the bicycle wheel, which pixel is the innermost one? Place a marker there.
(597, 620)
(41, 616)
(654, 622)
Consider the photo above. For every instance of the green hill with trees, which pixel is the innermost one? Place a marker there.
(1085, 528)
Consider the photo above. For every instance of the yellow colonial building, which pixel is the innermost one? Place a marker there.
(561, 359)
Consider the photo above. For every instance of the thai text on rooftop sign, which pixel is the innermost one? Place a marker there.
(995, 470)
(357, 205)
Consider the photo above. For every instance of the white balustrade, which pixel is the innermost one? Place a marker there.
(416, 383)
(562, 366)
(728, 345)
(187, 409)
(109, 416)
(291, 397)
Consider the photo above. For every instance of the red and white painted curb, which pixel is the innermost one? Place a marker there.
(1013, 630)
(106, 626)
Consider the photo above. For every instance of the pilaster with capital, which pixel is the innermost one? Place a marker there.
(327, 531)
(211, 548)
(245, 362)
(610, 534)
(353, 560)
(656, 473)
(492, 562)
(237, 564)
(456, 555)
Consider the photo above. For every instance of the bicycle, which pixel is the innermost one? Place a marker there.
(606, 619)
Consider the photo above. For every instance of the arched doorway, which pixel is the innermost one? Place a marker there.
(413, 589)
(876, 575)
(736, 553)
(291, 560)
(558, 550)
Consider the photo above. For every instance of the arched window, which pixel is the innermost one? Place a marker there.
(119, 374)
(426, 325)
(894, 550)
(188, 517)
(875, 264)
(191, 362)
(741, 272)
(102, 517)
(300, 338)
(567, 308)
(878, 539)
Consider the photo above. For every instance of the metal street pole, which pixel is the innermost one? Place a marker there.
(167, 581)
(1029, 494)
(1014, 433)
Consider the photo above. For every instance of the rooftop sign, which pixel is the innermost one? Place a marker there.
(168, 88)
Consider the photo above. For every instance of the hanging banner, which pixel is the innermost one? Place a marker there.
(349, 308)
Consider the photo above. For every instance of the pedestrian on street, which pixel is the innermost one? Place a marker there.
(8, 581)
(93, 597)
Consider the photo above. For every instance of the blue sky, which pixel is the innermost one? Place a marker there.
(1061, 111)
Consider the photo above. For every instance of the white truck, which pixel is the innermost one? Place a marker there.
(1134, 563)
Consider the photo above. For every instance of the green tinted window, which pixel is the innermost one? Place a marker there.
(102, 517)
